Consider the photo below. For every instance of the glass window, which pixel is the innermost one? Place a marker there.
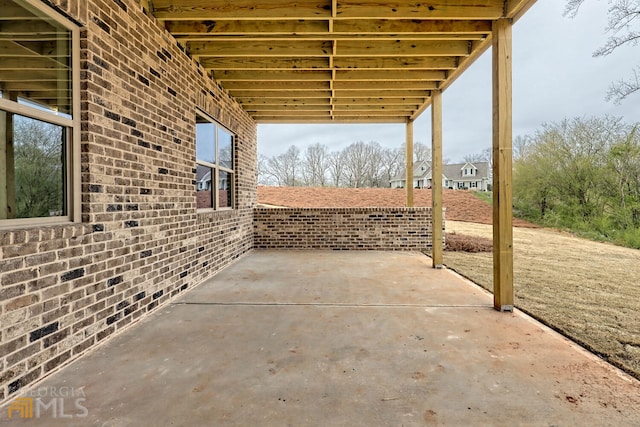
(225, 148)
(206, 141)
(36, 113)
(214, 165)
(224, 189)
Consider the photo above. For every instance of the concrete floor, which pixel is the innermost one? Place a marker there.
(341, 339)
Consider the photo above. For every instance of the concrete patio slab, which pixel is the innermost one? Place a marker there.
(338, 339)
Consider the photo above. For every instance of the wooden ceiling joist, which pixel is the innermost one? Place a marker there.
(240, 9)
(284, 102)
(334, 60)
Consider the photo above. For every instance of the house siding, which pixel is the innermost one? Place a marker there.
(141, 240)
(343, 228)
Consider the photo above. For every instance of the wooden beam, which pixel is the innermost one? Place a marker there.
(285, 108)
(308, 55)
(516, 8)
(279, 85)
(502, 164)
(408, 108)
(399, 93)
(320, 120)
(309, 94)
(205, 37)
(405, 48)
(345, 27)
(385, 85)
(436, 179)
(378, 112)
(461, 67)
(259, 75)
(245, 28)
(381, 100)
(398, 63)
(289, 48)
(323, 112)
(264, 63)
(440, 63)
(240, 9)
(409, 163)
(255, 101)
(411, 26)
(410, 9)
(391, 75)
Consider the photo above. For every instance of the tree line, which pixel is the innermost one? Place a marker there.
(361, 164)
(582, 174)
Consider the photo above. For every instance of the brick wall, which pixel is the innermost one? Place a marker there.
(63, 289)
(342, 228)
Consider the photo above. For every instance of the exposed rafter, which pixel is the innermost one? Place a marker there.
(334, 60)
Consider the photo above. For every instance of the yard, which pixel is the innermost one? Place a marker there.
(587, 290)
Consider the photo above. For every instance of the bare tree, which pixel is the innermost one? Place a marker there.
(474, 158)
(421, 152)
(521, 146)
(336, 162)
(264, 178)
(483, 156)
(623, 25)
(316, 164)
(284, 169)
(362, 164)
(392, 162)
(376, 165)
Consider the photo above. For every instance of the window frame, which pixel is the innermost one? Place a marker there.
(216, 167)
(73, 183)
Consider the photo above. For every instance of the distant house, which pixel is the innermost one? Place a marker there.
(458, 176)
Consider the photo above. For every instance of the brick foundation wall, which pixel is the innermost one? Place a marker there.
(64, 289)
(343, 228)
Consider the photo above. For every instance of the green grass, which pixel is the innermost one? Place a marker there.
(486, 196)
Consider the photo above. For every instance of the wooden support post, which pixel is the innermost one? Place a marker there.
(409, 160)
(4, 201)
(502, 164)
(436, 178)
(7, 169)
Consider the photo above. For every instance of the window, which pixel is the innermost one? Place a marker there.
(39, 114)
(214, 165)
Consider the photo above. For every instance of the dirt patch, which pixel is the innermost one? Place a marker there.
(586, 290)
(460, 205)
(455, 242)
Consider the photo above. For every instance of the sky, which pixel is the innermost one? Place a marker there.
(555, 76)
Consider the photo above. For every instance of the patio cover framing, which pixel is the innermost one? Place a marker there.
(356, 61)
